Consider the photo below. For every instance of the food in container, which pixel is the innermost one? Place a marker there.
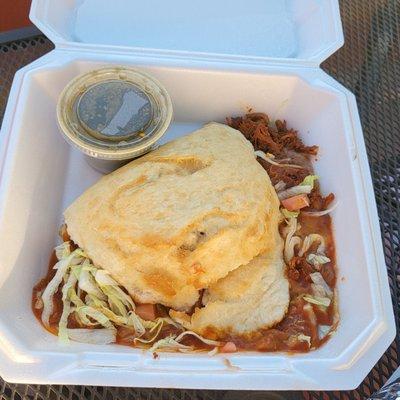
(113, 114)
(221, 75)
(199, 246)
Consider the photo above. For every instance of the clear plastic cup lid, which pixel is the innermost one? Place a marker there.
(114, 113)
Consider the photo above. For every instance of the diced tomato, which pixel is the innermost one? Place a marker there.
(296, 202)
(147, 312)
(228, 347)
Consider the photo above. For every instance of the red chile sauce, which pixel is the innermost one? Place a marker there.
(296, 321)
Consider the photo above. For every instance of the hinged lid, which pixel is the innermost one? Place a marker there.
(290, 31)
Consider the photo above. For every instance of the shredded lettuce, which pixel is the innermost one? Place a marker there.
(63, 250)
(96, 315)
(157, 328)
(111, 288)
(291, 227)
(170, 321)
(331, 207)
(304, 187)
(76, 270)
(294, 191)
(117, 319)
(201, 338)
(62, 268)
(309, 311)
(88, 266)
(304, 338)
(323, 330)
(153, 325)
(102, 306)
(289, 214)
(317, 259)
(290, 245)
(320, 285)
(136, 322)
(88, 284)
(268, 157)
(280, 186)
(308, 242)
(62, 325)
(291, 241)
(213, 352)
(81, 253)
(103, 278)
(77, 302)
(117, 307)
(309, 180)
(114, 303)
(173, 343)
(317, 290)
(169, 343)
(93, 336)
(98, 300)
(94, 301)
(319, 301)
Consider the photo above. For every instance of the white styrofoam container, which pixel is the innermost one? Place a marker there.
(215, 60)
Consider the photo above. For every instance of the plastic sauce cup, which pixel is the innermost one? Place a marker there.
(113, 115)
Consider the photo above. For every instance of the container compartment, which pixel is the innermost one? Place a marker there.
(42, 174)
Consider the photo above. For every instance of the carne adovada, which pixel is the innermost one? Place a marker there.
(218, 241)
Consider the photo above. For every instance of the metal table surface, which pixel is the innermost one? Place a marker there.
(369, 65)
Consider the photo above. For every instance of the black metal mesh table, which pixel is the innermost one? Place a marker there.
(369, 65)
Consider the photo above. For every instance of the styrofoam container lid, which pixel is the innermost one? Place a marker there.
(296, 31)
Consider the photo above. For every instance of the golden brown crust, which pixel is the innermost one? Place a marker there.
(250, 298)
(180, 218)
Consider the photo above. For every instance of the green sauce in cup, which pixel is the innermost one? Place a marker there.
(113, 115)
